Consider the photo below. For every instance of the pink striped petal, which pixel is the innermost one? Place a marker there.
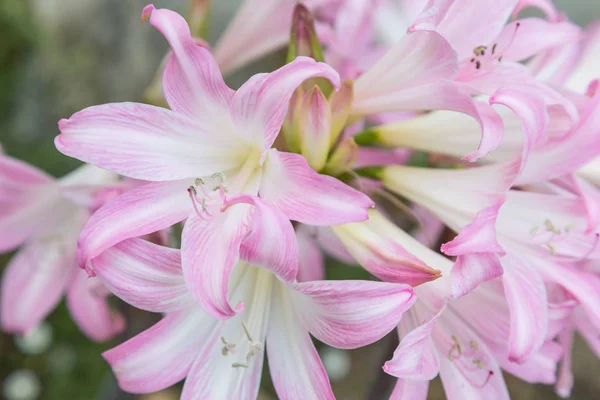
(28, 201)
(586, 68)
(192, 81)
(303, 195)
(211, 247)
(416, 357)
(407, 389)
(526, 296)
(162, 355)
(144, 275)
(143, 210)
(271, 242)
(414, 69)
(555, 158)
(260, 105)
(540, 367)
(86, 299)
(299, 375)
(351, 314)
(210, 251)
(146, 142)
(477, 237)
(535, 35)
(33, 284)
(218, 376)
(472, 269)
(311, 262)
(466, 24)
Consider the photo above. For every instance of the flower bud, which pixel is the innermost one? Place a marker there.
(343, 158)
(380, 247)
(315, 128)
(291, 123)
(340, 104)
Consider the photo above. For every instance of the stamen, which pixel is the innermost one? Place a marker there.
(550, 227)
(219, 175)
(198, 182)
(480, 50)
(239, 365)
(494, 48)
(477, 64)
(247, 332)
(535, 229)
(228, 347)
(192, 192)
(551, 248)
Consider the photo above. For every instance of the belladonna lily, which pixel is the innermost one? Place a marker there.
(223, 359)
(43, 216)
(210, 160)
(464, 340)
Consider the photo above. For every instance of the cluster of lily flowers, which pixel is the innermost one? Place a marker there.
(317, 157)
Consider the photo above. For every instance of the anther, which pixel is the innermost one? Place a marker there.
(247, 332)
(198, 182)
(551, 248)
(219, 175)
(239, 365)
(494, 48)
(550, 226)
(480, 50)
(227, 347)
(535, 229)
(473, 344)
(479, 364)
(478, 64)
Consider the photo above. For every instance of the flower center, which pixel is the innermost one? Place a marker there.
(471, 362)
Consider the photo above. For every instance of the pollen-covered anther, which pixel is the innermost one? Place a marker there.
(480, 50)
(551, 227)
(227, 347)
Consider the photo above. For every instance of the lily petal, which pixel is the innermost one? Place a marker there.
(144, 275)
(351, 314)
(162, 355)
(311, 263)
(192, 81)
(260, 105)
(210, 251)
(33, 284)
(416, 358)
(407, 389)
(303, 195)
(143, 210)
(526, 296)
(146, 142)
(90, 310)
(299, 375)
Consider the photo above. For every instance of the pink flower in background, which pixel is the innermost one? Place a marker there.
(224, 358)
(43, 216)
(208, 159)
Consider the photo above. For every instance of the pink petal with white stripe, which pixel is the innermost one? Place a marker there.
(210, 251)
(144, 275)
(32, 285)
(163, 354)
(295, 366)
(86, 299)
(407, 389)
(146, 142)
(192, 81)
(466, 24)
(260, 105)
(143, 210)
(472, 269)
(540, 367)
(351, 314)
(303, 195)
(311, 262)
(526, 296)
(416, 357)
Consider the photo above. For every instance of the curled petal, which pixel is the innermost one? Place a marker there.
(162, 355)
(303, 195)
(86, 299)
(260, 105)
(145, 275)
(350, 314)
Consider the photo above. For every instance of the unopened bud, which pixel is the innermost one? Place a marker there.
(315, 128)
(343, 158)
(291, 123)
(340, 104)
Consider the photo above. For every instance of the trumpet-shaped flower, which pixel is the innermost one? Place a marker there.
(43, 216)
(208, 158)
(222, 359)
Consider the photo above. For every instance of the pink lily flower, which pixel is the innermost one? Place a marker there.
(208, 159)
(43, 216)
(224, 358)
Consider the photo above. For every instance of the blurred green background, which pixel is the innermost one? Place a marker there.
(59, 56)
